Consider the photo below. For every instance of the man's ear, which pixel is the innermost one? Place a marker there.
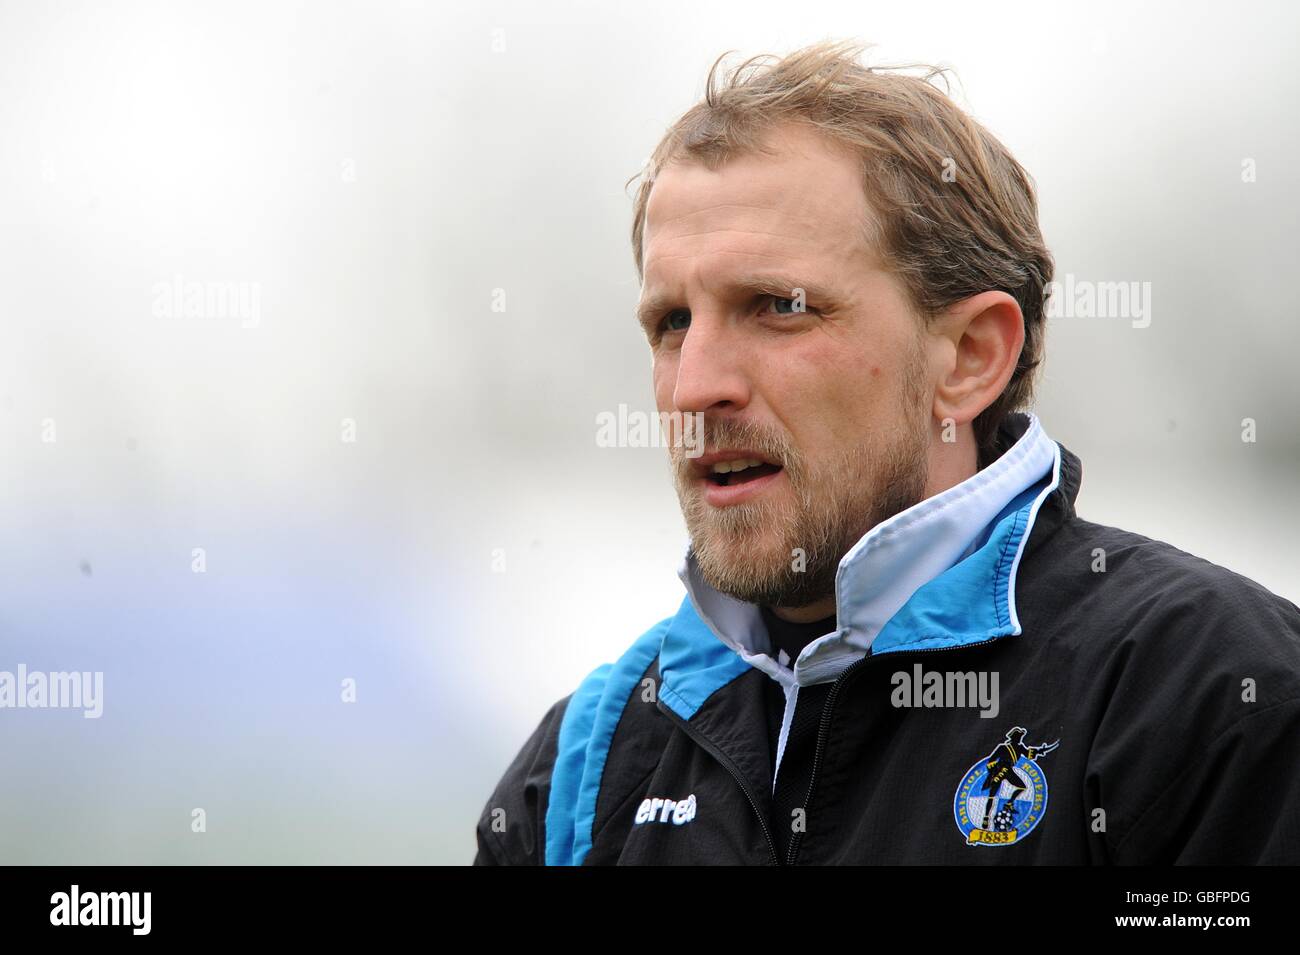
(987, 333)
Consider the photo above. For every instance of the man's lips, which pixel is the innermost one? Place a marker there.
(721, 485)
(702, 467)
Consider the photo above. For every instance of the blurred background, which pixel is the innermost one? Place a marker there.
(366, 450)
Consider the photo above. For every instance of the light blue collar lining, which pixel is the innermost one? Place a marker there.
(940, 573)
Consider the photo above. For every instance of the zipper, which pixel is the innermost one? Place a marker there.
(823, 727)
(730, 766)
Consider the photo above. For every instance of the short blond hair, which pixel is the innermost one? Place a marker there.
(945, 237)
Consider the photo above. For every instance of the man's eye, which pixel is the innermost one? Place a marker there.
(786, 306)
(677, 320)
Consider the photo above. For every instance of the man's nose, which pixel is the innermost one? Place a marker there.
(710, 370)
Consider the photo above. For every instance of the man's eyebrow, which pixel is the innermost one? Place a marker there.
(776, 284)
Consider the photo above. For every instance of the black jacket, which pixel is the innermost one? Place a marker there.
(1148, 711)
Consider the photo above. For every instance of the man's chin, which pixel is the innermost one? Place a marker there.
(756, 577)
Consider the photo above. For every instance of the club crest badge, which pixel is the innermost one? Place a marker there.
(1004, 795)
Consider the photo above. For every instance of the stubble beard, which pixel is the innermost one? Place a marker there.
(771, 553)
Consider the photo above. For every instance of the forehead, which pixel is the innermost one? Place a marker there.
(799, 204)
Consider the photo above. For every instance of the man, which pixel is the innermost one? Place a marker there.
(843, 279)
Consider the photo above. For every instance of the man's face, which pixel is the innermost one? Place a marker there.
(834, 400)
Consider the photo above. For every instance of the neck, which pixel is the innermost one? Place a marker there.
(807, 613)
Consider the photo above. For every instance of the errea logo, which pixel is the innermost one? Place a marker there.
(657, 809)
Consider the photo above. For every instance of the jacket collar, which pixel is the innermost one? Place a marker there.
(939, 574)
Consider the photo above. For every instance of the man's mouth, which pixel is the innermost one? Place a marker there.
(729, 473)
(739, 469)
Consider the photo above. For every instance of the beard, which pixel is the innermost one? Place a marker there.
(778, 553)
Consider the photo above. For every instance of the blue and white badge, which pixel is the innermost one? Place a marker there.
(1004, 795)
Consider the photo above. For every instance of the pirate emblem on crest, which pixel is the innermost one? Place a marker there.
(1004, 795)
